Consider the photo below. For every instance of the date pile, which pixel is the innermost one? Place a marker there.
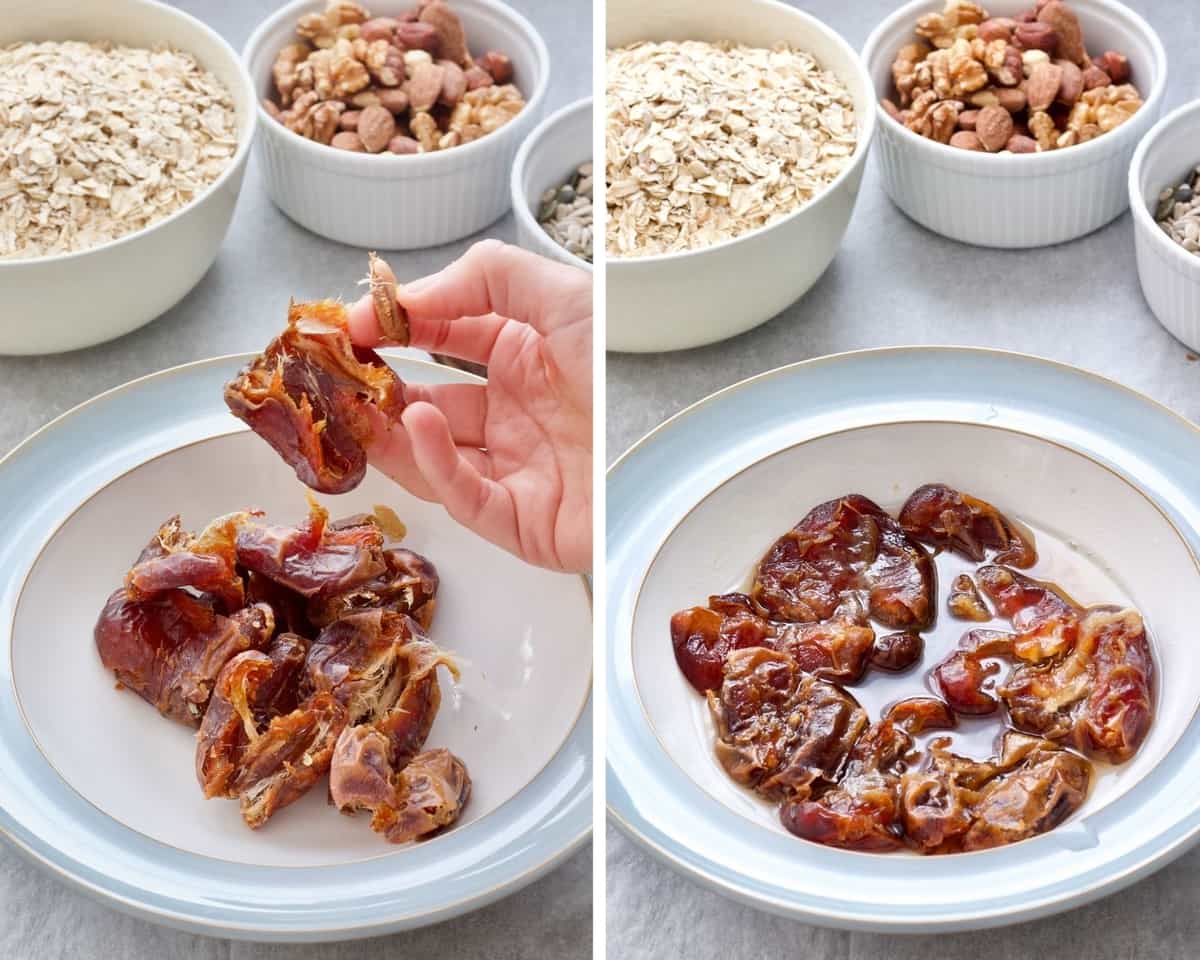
(297, 652)
(775, 665)
(405, 84)
(1022, 84)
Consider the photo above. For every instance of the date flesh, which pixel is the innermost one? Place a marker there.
(845, 552)
(944, 518)
(316, 398)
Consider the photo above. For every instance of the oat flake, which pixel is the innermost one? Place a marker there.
(705, 142)
(97, 141)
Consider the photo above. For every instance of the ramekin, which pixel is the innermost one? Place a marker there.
(399, 202)
(546, 159)
(73, 300)
(1030, 200)
(679, 300)
(1170, 276)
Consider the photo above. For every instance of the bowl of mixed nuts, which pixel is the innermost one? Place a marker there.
(1011, 123)
(124, 134)
(734, 149)
(552, 186)
(1164, 195)
(394, 124)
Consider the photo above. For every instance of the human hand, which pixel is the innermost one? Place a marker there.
(510, 459)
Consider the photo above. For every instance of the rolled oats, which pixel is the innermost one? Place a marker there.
(705, 142)
(98, 141)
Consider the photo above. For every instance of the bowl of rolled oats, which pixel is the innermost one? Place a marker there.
(552, 186)
(734, 149)
(124, 133)
(1011, 123)
(394, 123)
(1164, 195)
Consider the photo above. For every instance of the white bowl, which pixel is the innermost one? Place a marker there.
(1017, 201)
(72, 300)
(546, 159)
(679, 300)
(1170, 275)
(399, 202)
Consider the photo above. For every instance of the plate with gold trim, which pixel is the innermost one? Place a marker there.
(1103, 477)
(101, 791)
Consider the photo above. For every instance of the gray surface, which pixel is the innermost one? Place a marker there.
(895, 283)
(238, 306)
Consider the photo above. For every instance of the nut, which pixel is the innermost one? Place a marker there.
(393, 99)
(967, 119)
(1004, 63)
(376, 126)
(454, 83)
(1036, 36)
(416, 36)
(966, 140)
(1043, 129)
(425, 129)
(284, 70)
(403, 145)
(347, 140)
(1011, 99)
(477, 77)
(392, 318)
(1019, 143)
(379, 28)
(1041, 89)
(1094, 76)
(451, 39)
(997, 28)
(1062, 19)
(385, 63)
(1031, 58)
(498, 65)
(1072, 82)
(424, 87)
(994, 126)
(349, 120)
(1116, 65)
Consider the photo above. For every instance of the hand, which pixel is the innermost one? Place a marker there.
(510, 459)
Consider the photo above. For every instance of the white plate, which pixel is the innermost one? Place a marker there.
(103, 790)
(1102, 476)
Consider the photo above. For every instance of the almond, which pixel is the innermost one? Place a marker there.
(424, 87)
(1062, 19)
(997, 28)
(1072, 82)
(1094, 77)
(966, 140)
(451, 38)
(1035, 36)
(1116, 65)
(1011, 99)
(349, 120)
(347, 140)
(376, 126)
(393, 99)
(403, 145)
(967, 119)
(416, 36)
(478, 77)
(1041, 89)
(498, 65)
(1019, 143)
(379, 28)
(454, 83)
(994, 126)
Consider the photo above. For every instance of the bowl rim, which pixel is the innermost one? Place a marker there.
(866, 134)
(417, 163)
(1047, 161)
(520, 206)
(236, 163)
(1144, 223)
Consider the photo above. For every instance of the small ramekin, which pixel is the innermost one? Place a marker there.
(1017, 201)
(1170, 276)
(679, 300)
(546, 159)
(399, 202)
(73, 300)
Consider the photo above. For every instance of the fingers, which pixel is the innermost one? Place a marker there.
(495, 278)
(454, 477)
(464, 405)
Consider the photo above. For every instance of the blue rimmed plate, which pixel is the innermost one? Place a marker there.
(1105, 477)
(101, 791)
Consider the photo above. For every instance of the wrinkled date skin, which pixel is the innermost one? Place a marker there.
(843, 552)
(962, 675)
(897, 651)
(944, 518)
(1046, 621)
(314, 397)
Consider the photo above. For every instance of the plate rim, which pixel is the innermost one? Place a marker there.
(74, 873)
(694, 864)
